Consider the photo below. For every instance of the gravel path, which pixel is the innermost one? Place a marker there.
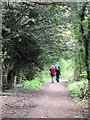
(53, 101)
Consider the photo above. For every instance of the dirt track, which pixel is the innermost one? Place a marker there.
(53, 101)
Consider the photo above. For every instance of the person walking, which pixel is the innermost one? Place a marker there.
(52, 73)
(57, 68)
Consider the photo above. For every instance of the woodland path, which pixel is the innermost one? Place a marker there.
(52, 101)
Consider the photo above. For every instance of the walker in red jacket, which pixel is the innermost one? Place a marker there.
(52, 73)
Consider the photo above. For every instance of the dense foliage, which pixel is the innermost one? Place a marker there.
(35, 35)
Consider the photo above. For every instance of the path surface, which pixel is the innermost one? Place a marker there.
(53, 101)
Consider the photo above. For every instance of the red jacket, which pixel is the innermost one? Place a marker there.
(52, 72)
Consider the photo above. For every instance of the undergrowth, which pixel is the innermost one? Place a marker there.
(78, 88)
(39, 80)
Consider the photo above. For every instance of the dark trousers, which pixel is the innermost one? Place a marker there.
(57, 78)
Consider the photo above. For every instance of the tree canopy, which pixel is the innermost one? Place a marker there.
(39, 34)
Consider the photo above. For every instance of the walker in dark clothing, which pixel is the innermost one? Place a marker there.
(58, 74)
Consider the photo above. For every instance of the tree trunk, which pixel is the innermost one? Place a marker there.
(86, 38)
(87, 46)
(10, 78)
(13, 72)
(87, 58)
